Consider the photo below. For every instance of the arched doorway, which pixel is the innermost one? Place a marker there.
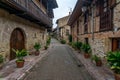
(17, 41)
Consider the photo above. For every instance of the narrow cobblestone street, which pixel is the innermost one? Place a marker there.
(59, 64)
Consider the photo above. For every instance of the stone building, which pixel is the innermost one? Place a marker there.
(97, 22)
(55, 33)
(23, 23)
(64, 29)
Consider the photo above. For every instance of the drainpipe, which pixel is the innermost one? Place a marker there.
(92, 21)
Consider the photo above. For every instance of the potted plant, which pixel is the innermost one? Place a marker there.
(48, 41)
(1, 61)
(70, 38)
(113, 59)
(37, 46)
(63, 41)
(46, 46)
(97, 60)
(87, 50)
(20, 54)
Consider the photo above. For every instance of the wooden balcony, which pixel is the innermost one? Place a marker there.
(106, 21)
(29, 10)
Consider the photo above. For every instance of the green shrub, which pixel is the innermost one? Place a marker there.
(70, 38)
(77, 45)
(48, 41)
(20, 54)
(46, 47)
(113, 59)
(63, 41)
(86, 48)
(70, 43)
(96, 58)
(37, 46)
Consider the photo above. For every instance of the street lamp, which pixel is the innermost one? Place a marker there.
(115, 29)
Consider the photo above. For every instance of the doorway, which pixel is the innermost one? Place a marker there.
(115, 44)
(17, 41)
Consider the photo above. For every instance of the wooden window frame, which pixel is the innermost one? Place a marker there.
(106, 17)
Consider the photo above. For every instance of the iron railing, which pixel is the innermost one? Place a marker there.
(106, 21)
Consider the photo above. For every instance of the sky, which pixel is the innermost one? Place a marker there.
(63, 9)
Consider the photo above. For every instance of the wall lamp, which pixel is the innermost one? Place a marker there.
(84, 9)
(115, 29)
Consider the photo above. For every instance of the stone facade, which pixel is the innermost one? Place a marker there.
(100, 41)
(32, 32)
(64, 29)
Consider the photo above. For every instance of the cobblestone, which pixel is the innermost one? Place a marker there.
(60, 62)
(58, 65)
(10, 72)
(99, 73)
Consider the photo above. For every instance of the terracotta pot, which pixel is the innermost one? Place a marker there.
(86, 55)
(37, 53)
(99, 63)
(20, 64)
(117, 76)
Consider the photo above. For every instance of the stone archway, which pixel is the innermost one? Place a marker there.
(17, 41)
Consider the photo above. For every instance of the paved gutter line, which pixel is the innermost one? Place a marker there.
(74, 56)
(79, 62)
(92, 73)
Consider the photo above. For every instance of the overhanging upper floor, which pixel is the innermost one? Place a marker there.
(27, 9)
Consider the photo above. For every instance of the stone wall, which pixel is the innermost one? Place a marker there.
(65, 35)
(116, 19)
(8, 22)
(101, 42)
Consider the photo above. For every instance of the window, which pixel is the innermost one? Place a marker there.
(86, 41)
(106, 16)
(98, 8)
(105, 6)
(67, 32)
(43, 36)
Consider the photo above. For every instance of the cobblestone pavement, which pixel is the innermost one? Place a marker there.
(59, 64)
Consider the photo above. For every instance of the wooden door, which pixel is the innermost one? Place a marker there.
(17, 41)
(115, 44)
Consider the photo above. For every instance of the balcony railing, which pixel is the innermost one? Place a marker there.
(106, 21)
(29, 7)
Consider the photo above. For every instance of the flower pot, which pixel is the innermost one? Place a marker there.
(86, 55)
(37, 53)
(20, 64)
(117, 76)
(99, 63)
